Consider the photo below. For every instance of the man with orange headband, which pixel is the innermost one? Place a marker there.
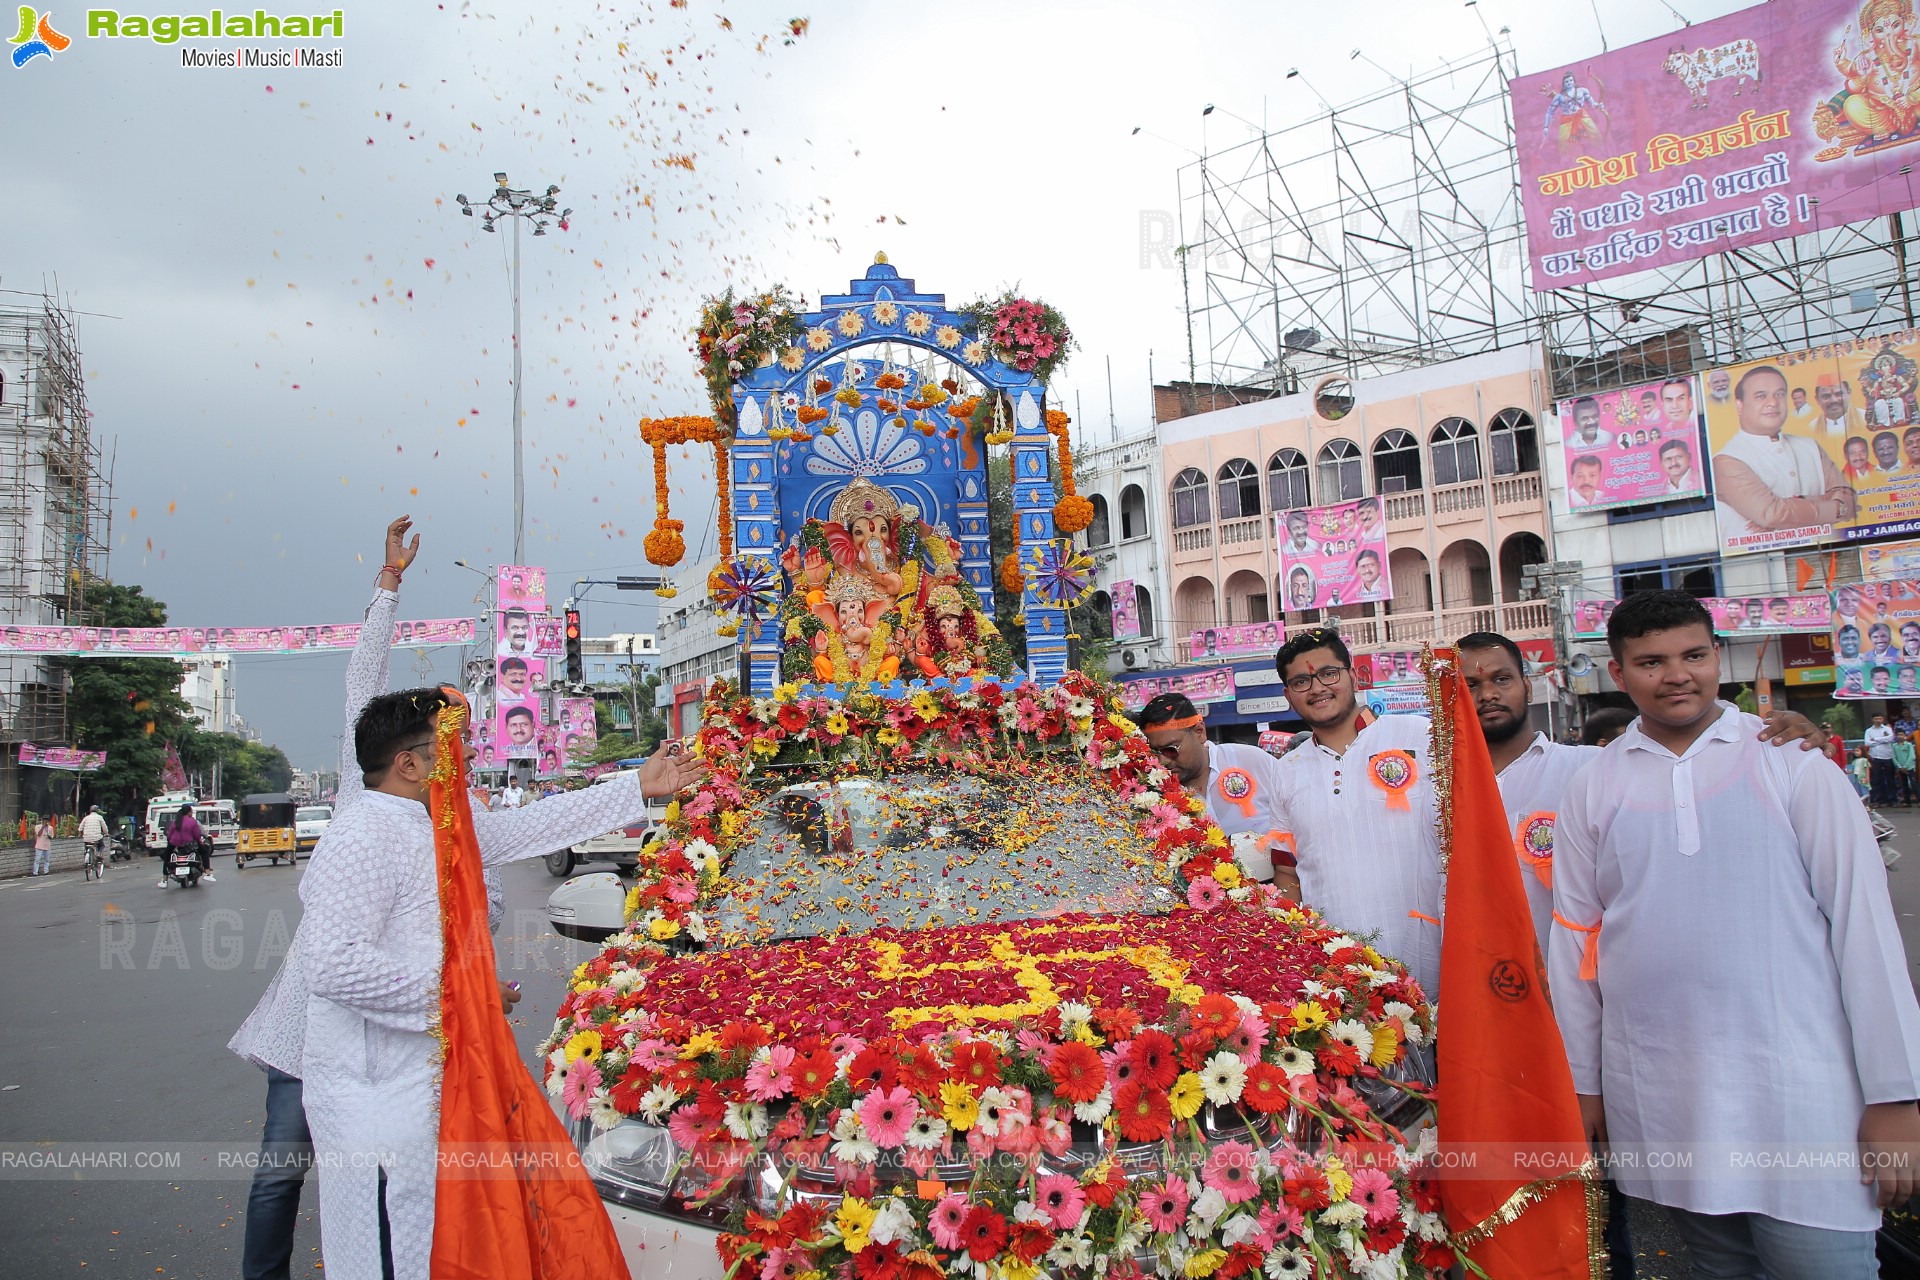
(1358, 803)
(349, 1019)
(1236, 780)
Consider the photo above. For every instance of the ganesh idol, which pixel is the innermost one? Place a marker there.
(1881, 101)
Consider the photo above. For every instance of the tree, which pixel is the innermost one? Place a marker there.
(244, 767)
(128, 707)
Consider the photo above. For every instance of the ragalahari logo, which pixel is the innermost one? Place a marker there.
(37, 38)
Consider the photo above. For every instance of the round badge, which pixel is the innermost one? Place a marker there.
(1235, 785)
(1533, 841)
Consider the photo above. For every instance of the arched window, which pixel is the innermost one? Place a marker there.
(1190, 505)
(1396, 462)
(1287, 481)
(1133, 513)
(1339, 468)
(1100, 532)
(1143, 608)
(1456, 452)
(1514, 443)
(1239, 490)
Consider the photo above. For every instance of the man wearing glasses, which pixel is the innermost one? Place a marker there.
(1358, 801)
(1237, 781)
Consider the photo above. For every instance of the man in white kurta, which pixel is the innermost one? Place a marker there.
(1747, 998)
(1358, 803)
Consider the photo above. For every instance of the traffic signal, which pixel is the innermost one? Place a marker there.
(576, 671)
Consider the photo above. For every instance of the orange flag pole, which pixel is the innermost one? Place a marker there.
(510, 1196)
(1533, 1210)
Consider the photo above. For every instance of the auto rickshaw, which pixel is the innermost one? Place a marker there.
(266, 828)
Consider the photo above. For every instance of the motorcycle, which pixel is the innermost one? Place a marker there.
(183, 866)
(118, 847)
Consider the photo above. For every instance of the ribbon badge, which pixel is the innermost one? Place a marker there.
(1236, 788)
(1533, 841)
(1394, 772)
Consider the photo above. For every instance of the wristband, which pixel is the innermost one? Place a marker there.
(396, 570)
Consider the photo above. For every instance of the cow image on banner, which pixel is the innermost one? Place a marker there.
(1788, 117)
(1334, 555)
(1876, 640)
(1631, 447)
(1817, 445)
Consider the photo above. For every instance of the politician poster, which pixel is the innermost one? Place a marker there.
(1817, 445)
(1334, 555)
(1633, 446)
(1876, 640)
(1783, 118)
(1733, 616)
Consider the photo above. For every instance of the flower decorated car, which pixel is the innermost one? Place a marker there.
(964, 982)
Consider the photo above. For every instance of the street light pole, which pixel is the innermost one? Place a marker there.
(521, 206)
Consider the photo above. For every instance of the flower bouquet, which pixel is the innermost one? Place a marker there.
(1030, 336)
(735, 337)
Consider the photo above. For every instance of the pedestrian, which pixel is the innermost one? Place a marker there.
(43, 847)
(93, 834)
(1714, 893)
(1860, 771)
(1903, 762)
(1879, 742)
(358, 995)
(1604, 725)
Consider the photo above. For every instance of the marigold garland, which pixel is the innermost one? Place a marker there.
(1072, 513)
(664, 545)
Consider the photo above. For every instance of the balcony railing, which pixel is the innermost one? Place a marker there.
(1406, 509)
(1235, 532)
(1188, 541)
(1516, 491)
(1456, 502)
(1520, 620)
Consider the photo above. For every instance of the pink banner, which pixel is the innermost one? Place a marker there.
(1635, 446)
(1733, 616)
(522, 586)
(1248, 640)
(1212, 685)
(1126, 616)
(519, 684)
(1876, 640)
(1399, 666)
(187, 642)
(61, 758)
(1783, 118)
(578, 730)
(1331, 556)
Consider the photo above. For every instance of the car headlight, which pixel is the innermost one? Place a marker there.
(638, 1165)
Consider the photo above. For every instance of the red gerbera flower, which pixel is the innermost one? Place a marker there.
(1152, 1055)
(1216, 1014)
(1306, 1190)
(1339, 1057)
(877, 1262)
(920, 1068)
(1029, 1240)
(977, 1063)
(1144, 1114)
(812, 1073)
(1116, 1024)
(1102, 1194)
(874, 1066)
(1078, 1073)
(986, 1233)
(792, 718)
(738, 1037)
(1266, 1087)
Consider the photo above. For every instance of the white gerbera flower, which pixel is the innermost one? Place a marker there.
(1344, 1214)
(1293, 1060)
(892, 1221)
(656, 1102)
(994, 1103)
(1288, 1264)
(746, 1120)
(1079, 708)
(1349, 1032)
(1071, 1252)
(1223, 1078)
(557, 1076)
(1094, 1112)
(603, 1113)
(851, 1142)
(1072, 1011)
(926, 1133)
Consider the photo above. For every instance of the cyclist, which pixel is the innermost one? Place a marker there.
(93, 833)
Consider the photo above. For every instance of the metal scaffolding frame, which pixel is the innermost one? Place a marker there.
(1377, 236)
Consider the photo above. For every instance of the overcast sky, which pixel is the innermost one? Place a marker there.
(291, 335)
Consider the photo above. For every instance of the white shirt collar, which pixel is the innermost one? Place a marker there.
(1723, 729)
(1540, 745)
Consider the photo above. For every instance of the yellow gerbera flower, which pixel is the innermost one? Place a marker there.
(585, 1044)
(958, 1105)
(701, 1042)
(1205, 1263)
(1386, 1044)
(836, 724)
(660, 928)
(1339, 1181)
(924, 706)
(889, 736)
(1308, 1016)
(1187, 1096)
(853, 1222)
(1226, 875)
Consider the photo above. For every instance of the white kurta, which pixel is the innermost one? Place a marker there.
(1752, 990)
(1530, 791)
(1367, 865)
(1242, 784)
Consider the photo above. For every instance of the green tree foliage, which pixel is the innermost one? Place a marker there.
(128, 707)
(245, 768)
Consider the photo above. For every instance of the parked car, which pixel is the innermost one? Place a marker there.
(874, 980)
(622, 848)
(310, 822)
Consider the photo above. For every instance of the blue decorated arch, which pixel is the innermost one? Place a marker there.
(779, 480)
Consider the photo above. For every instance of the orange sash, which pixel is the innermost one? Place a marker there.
(1590, 956)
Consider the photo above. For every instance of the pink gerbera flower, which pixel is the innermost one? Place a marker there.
(770, 1079)
(948, 1221)
(1205, 894)
(1230, 1171)
(1165, 1206)
(887, 1114)
(654, 1055)
(1059, 1196)
(582, 1078)
(1249, 1038)
(1372, 1191)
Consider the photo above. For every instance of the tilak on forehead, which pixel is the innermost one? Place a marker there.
(1183, 722)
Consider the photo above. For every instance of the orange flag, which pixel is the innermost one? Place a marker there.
(511, 1198)
(1505, 1089)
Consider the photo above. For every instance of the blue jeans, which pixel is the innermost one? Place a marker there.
(42, 861)
(273, 1205)
(1752, 1246)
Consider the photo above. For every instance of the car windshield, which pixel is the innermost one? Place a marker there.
(922, 850)
(313, 815)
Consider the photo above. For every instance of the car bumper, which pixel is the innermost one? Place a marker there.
(664, 1248)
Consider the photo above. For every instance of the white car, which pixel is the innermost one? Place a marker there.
(310, 822)
(622, 847)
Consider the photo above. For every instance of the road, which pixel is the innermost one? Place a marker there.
(121, 997)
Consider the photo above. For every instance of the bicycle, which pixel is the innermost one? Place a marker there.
(95, 867)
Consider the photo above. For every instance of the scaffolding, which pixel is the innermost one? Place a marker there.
(1377, 236)
(1386, 234)
(55, 508)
